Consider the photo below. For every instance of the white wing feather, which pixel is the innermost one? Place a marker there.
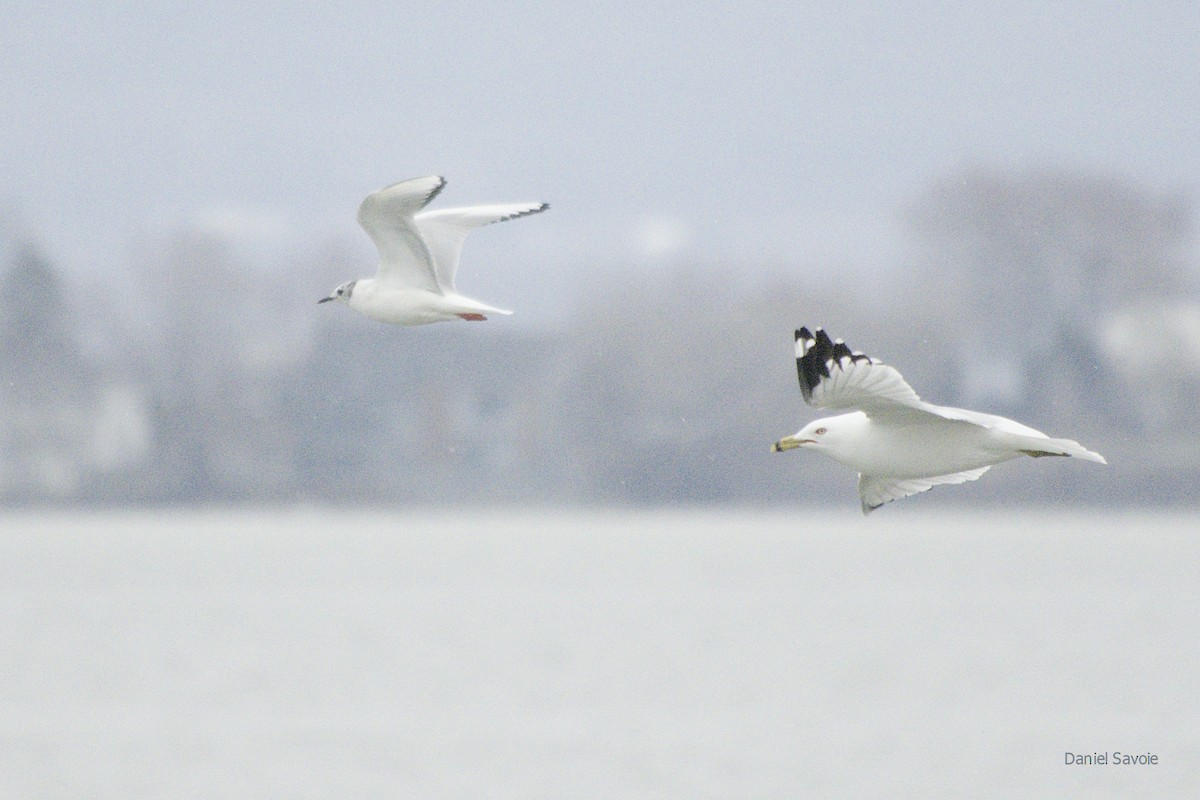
(875, 490)
(387, 217)
(834, 377)
(444, 230)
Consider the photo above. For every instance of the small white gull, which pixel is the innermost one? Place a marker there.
(900, 444)
(418, 255)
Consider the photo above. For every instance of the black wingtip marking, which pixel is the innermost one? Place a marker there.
(435, 191)
(525, 213)
(813, 366)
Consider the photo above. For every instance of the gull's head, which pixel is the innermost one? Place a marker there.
(821, 434)
(342, 293)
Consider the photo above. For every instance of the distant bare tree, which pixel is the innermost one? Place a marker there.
(217, 431)
(1023, 268)
(46, 387)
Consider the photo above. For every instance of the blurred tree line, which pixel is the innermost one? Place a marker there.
(1066, 300)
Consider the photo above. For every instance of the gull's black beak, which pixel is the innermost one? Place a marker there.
(325, 299)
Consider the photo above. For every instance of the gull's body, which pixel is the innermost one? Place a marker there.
(418, 255)
(405, 305)
(899, 444)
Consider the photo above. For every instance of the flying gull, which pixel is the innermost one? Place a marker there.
(900, 444)
(418, 255)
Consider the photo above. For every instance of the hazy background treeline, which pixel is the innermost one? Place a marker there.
(1069, 300)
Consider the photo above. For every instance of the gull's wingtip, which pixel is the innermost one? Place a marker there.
(439, 184)
(404, 197)
(804, 340)
(525, 212)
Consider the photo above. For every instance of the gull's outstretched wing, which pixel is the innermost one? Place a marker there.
(387, 216)
(445, 229)
(875, 490)
(834, 376)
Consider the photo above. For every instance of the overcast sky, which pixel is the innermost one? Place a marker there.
(791, 130)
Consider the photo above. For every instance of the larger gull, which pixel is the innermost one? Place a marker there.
(900, 444)
(418, 255)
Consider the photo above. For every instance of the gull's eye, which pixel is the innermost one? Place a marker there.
(819, 431)
(340, 291)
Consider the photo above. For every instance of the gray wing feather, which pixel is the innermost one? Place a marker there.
(875, 491)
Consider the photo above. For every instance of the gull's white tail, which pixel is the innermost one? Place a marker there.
(1038, 447)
